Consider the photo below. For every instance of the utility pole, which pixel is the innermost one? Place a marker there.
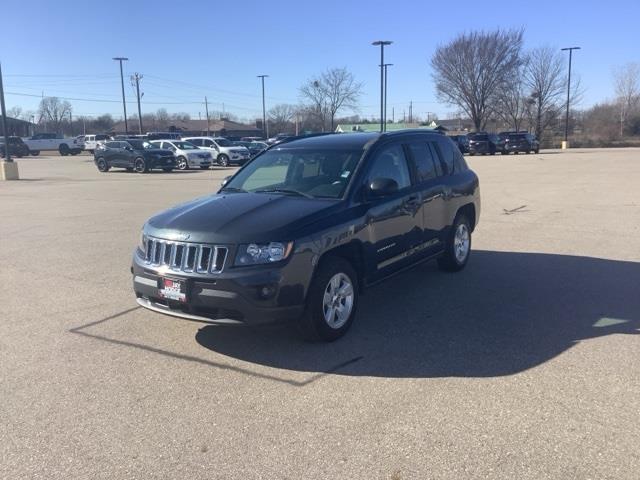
(393, 115)
(385, 93)
(70, 123)
(136, 78)
(410, 111)
(124, 103)
(265, 127)
(206, 109)
(381, 43)
(566, 121)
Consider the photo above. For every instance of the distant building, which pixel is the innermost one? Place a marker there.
(222, 128)
(17, 127)
(375, 127)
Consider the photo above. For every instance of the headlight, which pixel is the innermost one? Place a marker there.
(258, 254)
(142, 245)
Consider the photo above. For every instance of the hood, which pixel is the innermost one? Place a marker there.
(231, 218)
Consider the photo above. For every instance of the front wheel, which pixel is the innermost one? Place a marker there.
(102, 164)
(331, 301)
(182, 164)
(140, 166)
(458, 246)
(35, 153)
(223, 160)
(63, 150)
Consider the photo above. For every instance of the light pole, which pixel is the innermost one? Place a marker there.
(382, 43)
(566, 120)
(8, 168)
(124, 103)
(265, 127)
(385, 93)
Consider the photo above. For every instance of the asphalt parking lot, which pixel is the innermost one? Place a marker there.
(526, 365)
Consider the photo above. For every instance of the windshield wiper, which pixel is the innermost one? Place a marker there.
(233, 189)
(285, 190)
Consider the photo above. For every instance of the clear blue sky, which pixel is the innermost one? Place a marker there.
(189, 49)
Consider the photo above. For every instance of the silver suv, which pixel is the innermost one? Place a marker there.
(222, 150)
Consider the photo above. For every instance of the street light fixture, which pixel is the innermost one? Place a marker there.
(566, 121)
(124, 103)
(382, 43)
(265, 127)
(385, 93)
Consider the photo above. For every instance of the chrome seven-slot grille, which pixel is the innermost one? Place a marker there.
(185, 257)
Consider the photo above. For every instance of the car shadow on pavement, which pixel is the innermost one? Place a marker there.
(505, 313)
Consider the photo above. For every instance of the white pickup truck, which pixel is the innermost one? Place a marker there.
(51, 141)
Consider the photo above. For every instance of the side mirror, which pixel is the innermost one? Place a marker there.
(382, 187)
(226, 180)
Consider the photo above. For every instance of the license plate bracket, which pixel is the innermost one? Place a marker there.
(173, 289)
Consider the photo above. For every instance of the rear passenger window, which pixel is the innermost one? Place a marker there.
(423, 158)
(444, 149)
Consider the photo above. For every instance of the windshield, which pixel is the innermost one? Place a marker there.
(141, 145)
(223, 142)
(185, 145)
(303, 172)
(479, 137)
(520, 136)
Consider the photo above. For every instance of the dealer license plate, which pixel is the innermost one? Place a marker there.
(173, 289)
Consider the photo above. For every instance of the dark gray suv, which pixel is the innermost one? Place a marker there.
(300, 231)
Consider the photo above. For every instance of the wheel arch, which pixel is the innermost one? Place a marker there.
(352, 252)
(469, 211)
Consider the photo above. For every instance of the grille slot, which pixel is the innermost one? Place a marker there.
(185, 257)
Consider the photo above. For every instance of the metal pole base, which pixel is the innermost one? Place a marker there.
(9, 171)
(565, 145)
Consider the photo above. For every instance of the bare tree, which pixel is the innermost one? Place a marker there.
(513, 100)
(333, 91)
(470, 70)
(54, 112)
(546, 80)
(627, 86)
(280, 117)
(15, 112)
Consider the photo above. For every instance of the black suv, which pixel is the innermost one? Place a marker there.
(520, 142)
(138, 155)
(483, 143)
(302, 229)
(17, 147)
(462, 141)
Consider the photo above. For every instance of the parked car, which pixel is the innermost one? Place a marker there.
(222, 150)
(138, 155)
(163, 136)
(254, 147)
(51, 141)
(17, 148)
(462, 141)
(187, 154)
(300, 231)
(91, 141)
(251, 139)
(483, 143)
(521, 142)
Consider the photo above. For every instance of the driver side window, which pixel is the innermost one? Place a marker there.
(390, 162)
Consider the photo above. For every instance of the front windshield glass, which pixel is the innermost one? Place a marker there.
(223, 142)
(185, 146)
(303, 172)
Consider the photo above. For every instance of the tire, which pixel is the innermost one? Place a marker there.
(182, 163)
(167, 170)
(223, 160)
(204, 167)
(456, 254)
(63, 149)
(129, 169)
(537, 150)
(140, 166)
(102, 165)
(34, 153)
(335, 274)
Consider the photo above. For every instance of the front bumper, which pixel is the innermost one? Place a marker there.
(235, 296)
(163, 162)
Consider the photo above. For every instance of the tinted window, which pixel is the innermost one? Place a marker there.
(423, 158)
(196, 141)
(444, 149)
(390, 162)
(479, 137)
(112, 144)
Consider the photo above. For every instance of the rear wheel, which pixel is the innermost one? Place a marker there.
(140, 166)
(102, 165)
(223, 160)
(63, 149)
(458, 246)
(331, 301)
(35, 153)
(182, 163)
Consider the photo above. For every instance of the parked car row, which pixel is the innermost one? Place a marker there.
(483, 143)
